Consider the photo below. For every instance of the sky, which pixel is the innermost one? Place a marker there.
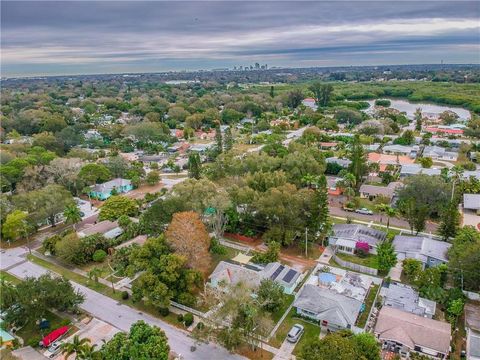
(91, 37)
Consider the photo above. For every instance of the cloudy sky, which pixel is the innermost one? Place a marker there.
(80, 37)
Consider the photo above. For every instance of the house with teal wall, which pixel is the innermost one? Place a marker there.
(107, 189)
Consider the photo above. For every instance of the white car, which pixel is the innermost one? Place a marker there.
(364, 211)
(295, 333)
(53, 350)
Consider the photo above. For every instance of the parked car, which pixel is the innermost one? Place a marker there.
(295, 333)
(53, 350)
(364, 211)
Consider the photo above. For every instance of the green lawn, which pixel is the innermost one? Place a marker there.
(362, 319)
(311, 331)
(279, 313)
(4, 276)
(370, 260)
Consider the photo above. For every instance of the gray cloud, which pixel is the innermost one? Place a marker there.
(77, 37)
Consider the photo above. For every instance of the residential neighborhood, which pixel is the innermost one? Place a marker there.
(223, 181)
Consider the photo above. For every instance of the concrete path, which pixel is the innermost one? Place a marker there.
(326, 256)
(396, 271)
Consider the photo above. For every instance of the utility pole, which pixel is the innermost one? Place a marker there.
(306, 243)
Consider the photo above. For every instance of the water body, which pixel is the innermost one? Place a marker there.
(409, 108)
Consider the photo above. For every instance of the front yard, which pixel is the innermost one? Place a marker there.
(369, 260)
(312, 331)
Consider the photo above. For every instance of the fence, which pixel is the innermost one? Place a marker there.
(356, 267)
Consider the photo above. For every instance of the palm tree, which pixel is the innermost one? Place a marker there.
(87, 352)
(74, 347)
(72, 215)
(390, 212)
(457, 172)
(95, 273)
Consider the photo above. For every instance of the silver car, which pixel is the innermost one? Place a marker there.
(295, 333)
(364, 211)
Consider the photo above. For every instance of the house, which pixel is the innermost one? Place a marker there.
(107, 228)
(447, 130)
(345, 163)
(395, 149)
(232, 273)
(405, 298)
(328, 145)
(310, 103)
(104, 191)
(384, 160)
(201, 148)
(333, 189)
(472, 326)
(373, 191)
(344, 237)
(471, 173)
(472, 202)
(417, 169)
(430, 252)
(138, 240)
(159, 159)
(371, 147)
(402, 333)
(439, 153)
(334, 298)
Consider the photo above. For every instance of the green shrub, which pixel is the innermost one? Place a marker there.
(49, 243)
(125, 295)
(217, 248)
(99, 255)
(180, 317)
(65, 322)
(200, 325)
(164, 311)
(188, 319)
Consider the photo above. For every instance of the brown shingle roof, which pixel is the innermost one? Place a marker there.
(410, 330)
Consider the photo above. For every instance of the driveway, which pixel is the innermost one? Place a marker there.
(122, 317)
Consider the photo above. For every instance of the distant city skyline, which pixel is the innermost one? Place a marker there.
(66, 37)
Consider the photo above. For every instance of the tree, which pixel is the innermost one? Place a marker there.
(415, 213)
(448, 117)
(95, 273)
(450, 221)
(72, 215)
(194, 166)
(34, 297)
(389, 211)
(153, 177)
(320, 219)
(218, 139)
(189, 237)
(88, 352)
(412, 269)
(44, 204)
(94, 173)
(386, 256)
(116, 206)
(272, 91)
(331, 347)
(270, 295)
(418, 119)
(367, 346)
(15, 225)
(464, 258)
(228, 139)
(455, 309)
(294, 98)
(407, 138)
(142, 342)
(73, 347)
(357, 156)
(322, 93)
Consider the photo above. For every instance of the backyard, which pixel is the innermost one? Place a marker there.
(369, 300)
(369, 260)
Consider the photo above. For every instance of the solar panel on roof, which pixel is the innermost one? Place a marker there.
(289, 276)
(277, 272)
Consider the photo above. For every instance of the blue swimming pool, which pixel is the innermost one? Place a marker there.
(326, 277)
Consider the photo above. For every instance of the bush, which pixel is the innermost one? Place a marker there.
(125, 295)
(200, 326)
(383, 102)
(164, 311)
(99, 255)
(180, 317)
(49, 243)
(65, 322)
(188, 319)
(34, 341)
(217, 248)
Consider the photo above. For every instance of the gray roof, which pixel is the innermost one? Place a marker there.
(358, 233)
(472, 316)
(471, 201)
(404, 297)
(467, 174)
(418, 247)
(109, 229)
(387, 191)
(328, 305)
(395, 148)
(110, 185)
(415, 169)
(473, 345)
(341, 162)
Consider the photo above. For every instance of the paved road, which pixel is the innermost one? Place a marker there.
(122, 316)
